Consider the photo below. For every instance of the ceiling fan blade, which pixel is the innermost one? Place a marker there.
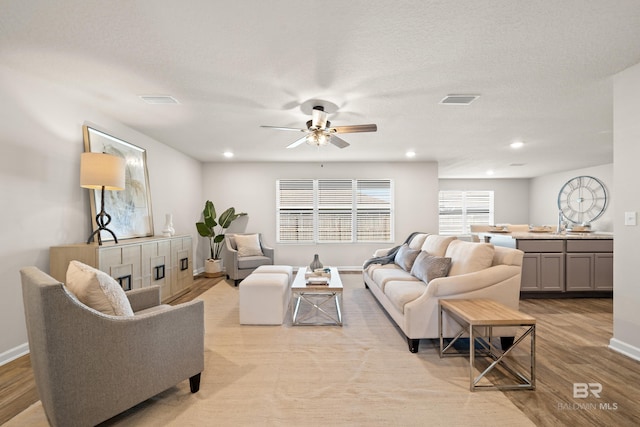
(297, 142)
(283, 128)
(319, 118)
(338, 142)
(355, 128)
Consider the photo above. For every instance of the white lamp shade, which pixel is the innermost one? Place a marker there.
(99, 170)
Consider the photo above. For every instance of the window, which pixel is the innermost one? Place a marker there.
(334, 210)
(459, 209)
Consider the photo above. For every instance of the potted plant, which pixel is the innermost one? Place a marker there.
(214, 229)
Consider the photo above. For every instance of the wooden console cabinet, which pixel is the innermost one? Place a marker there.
(134, 263)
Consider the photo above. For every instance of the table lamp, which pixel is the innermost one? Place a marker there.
(101, 171)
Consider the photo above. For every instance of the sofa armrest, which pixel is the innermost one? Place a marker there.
(143, 298)
(452, 285)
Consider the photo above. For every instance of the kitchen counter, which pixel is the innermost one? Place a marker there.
(544, 236)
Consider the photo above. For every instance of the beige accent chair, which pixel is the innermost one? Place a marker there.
(90, 366)
(238, 267)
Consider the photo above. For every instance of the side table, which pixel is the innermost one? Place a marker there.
(473, 314)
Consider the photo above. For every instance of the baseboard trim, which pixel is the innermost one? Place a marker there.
(13, 353)
(624, 348)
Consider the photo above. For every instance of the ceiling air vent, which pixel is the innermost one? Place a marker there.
(159, 99)
(459, 99)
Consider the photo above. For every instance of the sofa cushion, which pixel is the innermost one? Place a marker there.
(428, 267)
(405, 257)
(389, 272)
(437, 245)
(418, 240)
(247, 262)
(402, 292)
(248, 245)
(96, 289)
(467, 257)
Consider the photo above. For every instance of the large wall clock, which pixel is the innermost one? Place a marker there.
(582, 199)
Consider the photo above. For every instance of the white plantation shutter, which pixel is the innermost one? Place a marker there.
(459, 209)
(373, 210)
(334, 210)
(295, 205)
(335, 214)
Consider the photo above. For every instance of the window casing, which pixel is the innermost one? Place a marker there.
(334, 210)
(458, 210)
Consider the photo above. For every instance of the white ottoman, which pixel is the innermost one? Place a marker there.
(264, 298)
(287, 269)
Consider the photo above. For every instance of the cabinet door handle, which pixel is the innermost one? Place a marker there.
(158, 272)
(125, 282)
(184, 264)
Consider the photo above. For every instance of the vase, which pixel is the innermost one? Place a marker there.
(213, 268)
(168, 229)
(315, 264)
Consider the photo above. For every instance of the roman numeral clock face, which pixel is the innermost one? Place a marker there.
(582, 199)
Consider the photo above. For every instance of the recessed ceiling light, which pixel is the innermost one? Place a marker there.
(490, 172)
(228, 154)
(410, 154)
(517, 144)
(459, 99)
(159, 99)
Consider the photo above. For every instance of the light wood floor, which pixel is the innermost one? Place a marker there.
(572, 340)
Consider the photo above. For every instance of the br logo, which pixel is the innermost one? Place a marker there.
(583, 390)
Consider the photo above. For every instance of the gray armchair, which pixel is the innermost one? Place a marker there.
(90, 366)
(238, 267)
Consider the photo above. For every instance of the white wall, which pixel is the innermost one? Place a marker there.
(511, 196)
(41, 201)
(543, 203)
(251, 188)
(626, 292)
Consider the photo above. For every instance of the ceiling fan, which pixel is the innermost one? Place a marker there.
(319, 131)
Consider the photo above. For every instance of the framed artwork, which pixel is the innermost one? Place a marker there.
(130, 209)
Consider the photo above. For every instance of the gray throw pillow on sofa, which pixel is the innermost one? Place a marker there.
(405, 257)
(428, 267)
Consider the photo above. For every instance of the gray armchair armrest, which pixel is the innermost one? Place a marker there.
(267, 251)
(143, 298)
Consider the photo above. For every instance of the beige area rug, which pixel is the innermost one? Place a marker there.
(358, 374)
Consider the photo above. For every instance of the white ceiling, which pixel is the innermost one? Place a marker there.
(543, 69)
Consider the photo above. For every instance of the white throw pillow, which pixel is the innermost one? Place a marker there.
(97, 290)
(248, 244)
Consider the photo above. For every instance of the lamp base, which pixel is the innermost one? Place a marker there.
(97, 232)
(102, 219)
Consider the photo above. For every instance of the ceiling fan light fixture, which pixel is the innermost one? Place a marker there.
(318, 138)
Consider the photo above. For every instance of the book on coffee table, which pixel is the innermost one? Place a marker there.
(318, 280)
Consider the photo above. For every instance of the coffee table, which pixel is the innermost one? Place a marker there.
(320, 299)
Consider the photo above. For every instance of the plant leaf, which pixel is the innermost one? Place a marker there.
(204, 230)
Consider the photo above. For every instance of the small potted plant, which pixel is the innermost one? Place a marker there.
(214, 229)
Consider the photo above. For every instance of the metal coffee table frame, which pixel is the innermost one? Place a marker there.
(318, 297)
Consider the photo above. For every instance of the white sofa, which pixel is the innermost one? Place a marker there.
(477, 270)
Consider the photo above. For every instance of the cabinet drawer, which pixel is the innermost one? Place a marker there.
(589, 245)
(541, 245)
